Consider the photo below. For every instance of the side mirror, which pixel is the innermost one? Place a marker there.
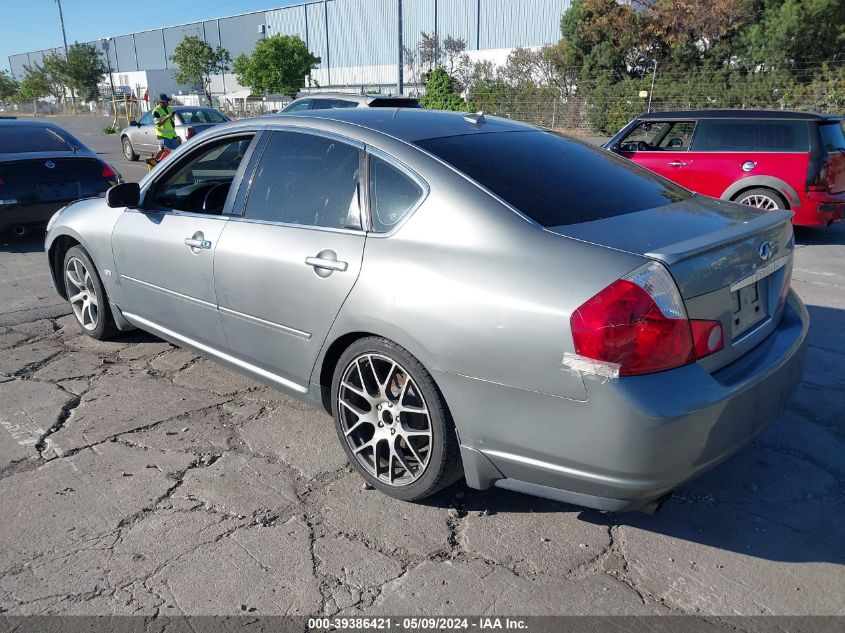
(126, 194)
(134, 123)
(616, 148)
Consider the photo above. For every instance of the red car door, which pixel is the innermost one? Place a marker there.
(663, 147)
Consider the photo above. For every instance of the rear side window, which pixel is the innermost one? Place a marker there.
(392, 194)
(330, 104)
(552, 179)
(833, 139)
(307, 180)
(298, 106)
(396, 102)
(29, 138)
(746, 135)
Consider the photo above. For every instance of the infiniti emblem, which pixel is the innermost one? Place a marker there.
(49, 164)
(766, 251)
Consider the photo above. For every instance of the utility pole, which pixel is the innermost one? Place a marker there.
(106, 43)
(400, 84)
(64, 39)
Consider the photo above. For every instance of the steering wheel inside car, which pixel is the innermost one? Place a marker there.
(216, 198)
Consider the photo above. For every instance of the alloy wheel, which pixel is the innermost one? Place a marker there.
(84, 301)
(385, 419)
(127, 148)
(760, 201)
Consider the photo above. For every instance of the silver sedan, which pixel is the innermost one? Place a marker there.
(466, 296)
(139, 137)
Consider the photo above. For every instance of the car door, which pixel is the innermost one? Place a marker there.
(663, 147)
(283, 270)
(146, 134)
(164, 250)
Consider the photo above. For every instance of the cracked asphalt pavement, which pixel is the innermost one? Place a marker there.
(138, 478)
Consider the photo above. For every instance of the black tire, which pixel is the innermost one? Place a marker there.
(443, 466)
(128, 150)
(762, 193)
(104, 327)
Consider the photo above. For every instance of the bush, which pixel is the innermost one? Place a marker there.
(440, 92)
(110, 129)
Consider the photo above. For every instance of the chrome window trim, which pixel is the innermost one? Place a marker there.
(328, 229)
(402, 167)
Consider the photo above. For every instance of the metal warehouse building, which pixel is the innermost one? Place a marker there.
(357, 40)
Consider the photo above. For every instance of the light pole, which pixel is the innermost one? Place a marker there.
(105, 42)
(64, 39)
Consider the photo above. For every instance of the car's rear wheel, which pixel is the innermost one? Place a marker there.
(128, 150)
(392, 420)
(86, 295)
(762, 198)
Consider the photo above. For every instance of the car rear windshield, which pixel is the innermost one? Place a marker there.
(833, 138)
(552, 179)
(16, 139)
(743, 135)
(201, 116)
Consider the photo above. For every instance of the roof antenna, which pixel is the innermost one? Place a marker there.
(477, 118)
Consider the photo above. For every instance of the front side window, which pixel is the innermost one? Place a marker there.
(659, 136)
(306, 180)
(147, 119)
(749, 135)
(330, 104)
(212, 167)
(552, 179)
(392, 194)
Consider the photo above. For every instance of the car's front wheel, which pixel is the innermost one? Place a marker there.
(86, 295)
(128, 150)
(392, 420)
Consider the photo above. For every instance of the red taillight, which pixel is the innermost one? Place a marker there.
(624, 325)
(707, 337)
(189, 133)
(108, 172)
(820, 182)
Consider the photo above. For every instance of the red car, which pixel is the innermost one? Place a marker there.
(765, 159)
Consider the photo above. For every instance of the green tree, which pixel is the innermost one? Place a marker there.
(196, 61)
(84, 70)
(8, 86)
(34, 86)
(55, 71)
(440, 92)
(278, 65)
(600, 36)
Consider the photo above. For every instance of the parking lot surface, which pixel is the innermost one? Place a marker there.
(137, 478)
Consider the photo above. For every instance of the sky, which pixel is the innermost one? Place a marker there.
(28, 25)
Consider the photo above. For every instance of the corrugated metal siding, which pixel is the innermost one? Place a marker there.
(289, 21)
(508, 24)
(417, 16)
(150, 50)
(18, 64)
(240, 33)
(457, 18)
(209, 29)
(363, 33)
(317, 31)
(124, 47)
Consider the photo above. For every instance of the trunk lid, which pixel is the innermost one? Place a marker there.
(731, 263)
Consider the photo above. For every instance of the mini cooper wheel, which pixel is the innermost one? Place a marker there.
(86, 294)
(761, 198)
(128, 150)
(392, 421)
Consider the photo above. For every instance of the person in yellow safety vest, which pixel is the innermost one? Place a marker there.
(165, 127)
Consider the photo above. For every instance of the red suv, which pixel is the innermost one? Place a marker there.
(766, 159)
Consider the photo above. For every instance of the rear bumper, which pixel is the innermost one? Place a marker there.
(820, 209)
(635, 438)
(14, 215)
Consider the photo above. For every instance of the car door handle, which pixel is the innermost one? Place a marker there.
(195, 243)
(326, 264)
(677, 163)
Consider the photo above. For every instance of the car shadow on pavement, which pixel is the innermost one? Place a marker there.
(805, 235)
(32, 242)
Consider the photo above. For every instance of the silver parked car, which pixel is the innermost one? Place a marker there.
(463, 295)
(331, 100)
(139, 137)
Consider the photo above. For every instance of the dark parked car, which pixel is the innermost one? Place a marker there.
(42, 168)
(334, 100)
(140, 136)
(765, 159)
